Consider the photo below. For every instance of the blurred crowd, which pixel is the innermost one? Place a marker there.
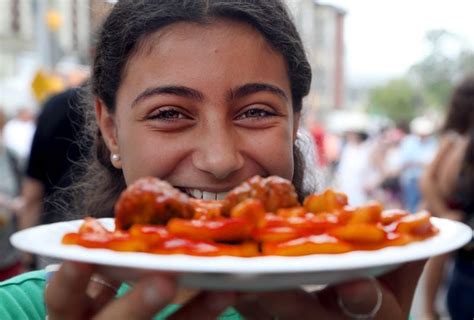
(384, 166)
(415, 166)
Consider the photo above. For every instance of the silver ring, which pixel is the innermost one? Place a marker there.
(363, 316)
(104, 283)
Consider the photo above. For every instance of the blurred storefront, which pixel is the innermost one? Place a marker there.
(322, 29)
(42, 41)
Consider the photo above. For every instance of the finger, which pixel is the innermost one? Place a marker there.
(102, 291)
(101, 299)
(100, 284)
(401, 283)
(295, 304)
(148, 297)
(205, 305)
(367, 297)
(249, 307)
(65, 294)
(361, 297)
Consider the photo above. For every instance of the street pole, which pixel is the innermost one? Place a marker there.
(43, 41)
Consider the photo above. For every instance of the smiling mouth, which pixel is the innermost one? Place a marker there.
(204, 195)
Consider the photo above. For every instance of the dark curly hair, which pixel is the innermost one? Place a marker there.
(463, 98)
(461, 107)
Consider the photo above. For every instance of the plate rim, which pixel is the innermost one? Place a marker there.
(254, 265)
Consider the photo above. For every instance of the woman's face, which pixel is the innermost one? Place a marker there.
(203, 107)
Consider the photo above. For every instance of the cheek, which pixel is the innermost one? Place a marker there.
(273, 152)
(150, 155)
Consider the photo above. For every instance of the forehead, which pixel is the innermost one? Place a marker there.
(216, 30)
(187, 43)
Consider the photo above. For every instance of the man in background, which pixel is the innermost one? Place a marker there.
(18, 134)
(54, 151)
(416, 151)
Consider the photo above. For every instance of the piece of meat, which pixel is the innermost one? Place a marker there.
(274, 193)
(151, 201)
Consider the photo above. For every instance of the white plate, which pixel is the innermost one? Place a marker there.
(259, 273)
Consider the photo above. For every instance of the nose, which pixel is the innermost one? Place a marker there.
(218, 153)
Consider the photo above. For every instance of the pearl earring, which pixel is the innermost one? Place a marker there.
(114, 158)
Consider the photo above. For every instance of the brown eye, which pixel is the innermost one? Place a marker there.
(255, 113)
(167, 114)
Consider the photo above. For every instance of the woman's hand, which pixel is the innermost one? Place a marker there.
(358, 298)
(72, 295)
(69, 296)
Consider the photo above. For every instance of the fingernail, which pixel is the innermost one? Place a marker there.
(158, 291)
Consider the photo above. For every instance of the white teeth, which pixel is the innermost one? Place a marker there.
(205, 195)
(196, 193)
(208, 195)
(221, 195)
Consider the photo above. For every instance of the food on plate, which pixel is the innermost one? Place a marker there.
(274, 193)
(262, 216)
(151, 201)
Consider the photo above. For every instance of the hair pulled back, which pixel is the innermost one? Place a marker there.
(128, 26)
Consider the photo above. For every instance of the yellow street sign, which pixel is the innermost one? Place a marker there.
(44, 84)
(53, 20)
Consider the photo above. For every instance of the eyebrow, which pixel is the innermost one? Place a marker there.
(190, 93)
(251, 88)
(172, 90)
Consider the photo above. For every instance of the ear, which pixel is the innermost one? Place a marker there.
(296, 124)
(108, 127)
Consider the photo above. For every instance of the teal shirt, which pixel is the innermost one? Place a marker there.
(22, 297)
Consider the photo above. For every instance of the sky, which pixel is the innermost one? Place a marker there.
(383, 38)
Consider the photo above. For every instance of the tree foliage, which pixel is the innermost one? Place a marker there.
(428, 83)
(436, 74)
(397, 100)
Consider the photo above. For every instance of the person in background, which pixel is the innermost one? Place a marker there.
(385, 162)
(203, 94)
(9, 189)
(353, 167)
(318, 134)
(55, 150)
(333, 144)
(448, 192)
(416, 151)
(18, 135)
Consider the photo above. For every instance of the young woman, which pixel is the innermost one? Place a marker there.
(203, 94)
(447, 187)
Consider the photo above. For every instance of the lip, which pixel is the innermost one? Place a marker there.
(205, 189)
(208, 184)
